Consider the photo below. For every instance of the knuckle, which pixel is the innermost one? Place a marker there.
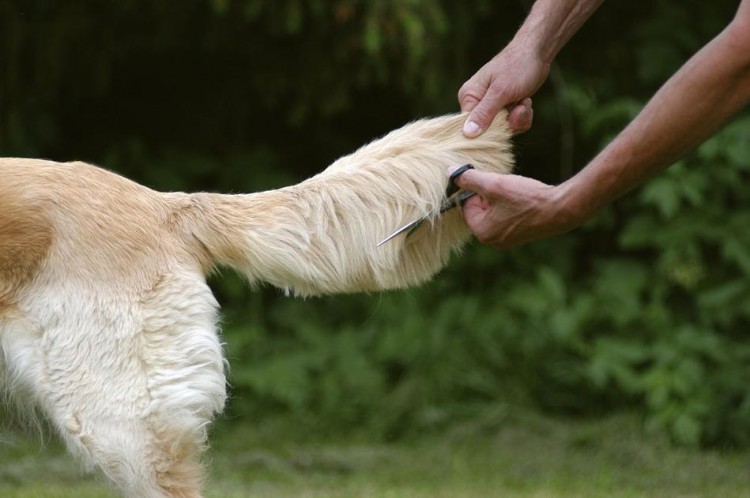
(469, 96)
(483, 237)
(469, 89)
(481, 113)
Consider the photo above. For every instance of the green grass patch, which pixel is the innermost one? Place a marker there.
(534, 458)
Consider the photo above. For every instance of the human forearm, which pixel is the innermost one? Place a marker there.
(551, 23)
(692, 105)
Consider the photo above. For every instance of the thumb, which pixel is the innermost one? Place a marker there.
(481, 116)
(475, 181)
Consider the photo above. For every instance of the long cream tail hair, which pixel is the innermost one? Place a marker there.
(321, 235)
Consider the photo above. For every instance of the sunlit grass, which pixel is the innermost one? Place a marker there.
(533, 459)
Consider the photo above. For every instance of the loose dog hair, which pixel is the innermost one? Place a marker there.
(106, 321)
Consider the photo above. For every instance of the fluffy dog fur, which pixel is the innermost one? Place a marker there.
(106, 321)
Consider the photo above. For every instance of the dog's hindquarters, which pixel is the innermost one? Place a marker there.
(113, 334)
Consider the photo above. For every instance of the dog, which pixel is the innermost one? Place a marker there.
(107, 324)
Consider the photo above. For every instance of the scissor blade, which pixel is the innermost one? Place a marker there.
(401, 230)
(447, 205)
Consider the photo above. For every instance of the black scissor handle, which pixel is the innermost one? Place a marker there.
(452, 187)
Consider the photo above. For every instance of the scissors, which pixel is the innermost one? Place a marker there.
(454, 196)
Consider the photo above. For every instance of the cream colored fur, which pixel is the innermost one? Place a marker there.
(106, 321)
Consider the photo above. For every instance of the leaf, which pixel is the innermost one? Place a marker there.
(284, 378)
(371, 36)
(294, 17)
(663, 194)
(721, 297)
(687, 429)
(220, 6)
(639, 233)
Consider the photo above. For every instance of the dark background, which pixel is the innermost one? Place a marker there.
(645, 309)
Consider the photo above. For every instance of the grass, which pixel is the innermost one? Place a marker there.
(536, 459)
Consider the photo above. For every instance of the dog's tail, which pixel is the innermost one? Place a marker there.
(321, 235)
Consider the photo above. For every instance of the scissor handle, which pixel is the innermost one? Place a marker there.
(452, 187)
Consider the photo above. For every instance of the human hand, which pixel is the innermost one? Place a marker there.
(509, 79)
(512, 210)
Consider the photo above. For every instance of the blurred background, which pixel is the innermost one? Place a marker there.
(645, 310)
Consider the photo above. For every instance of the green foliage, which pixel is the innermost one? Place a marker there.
(694, 377)
(644, 308)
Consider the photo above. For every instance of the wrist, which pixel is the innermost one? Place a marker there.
(551, 23)
(532, 42)
(574, 203)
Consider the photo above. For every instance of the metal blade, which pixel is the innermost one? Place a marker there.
(401, 230)
(448, 204)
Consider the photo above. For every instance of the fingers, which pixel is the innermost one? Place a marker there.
(521, 116)
(482, 100)
(468, 99)
(472, 92)
(483, 111)
(482, 114)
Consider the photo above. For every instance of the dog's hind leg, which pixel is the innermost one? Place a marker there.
(140, 457)
(183, 360)
(131, 385)
(91, 401)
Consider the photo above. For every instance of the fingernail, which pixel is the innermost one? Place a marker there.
(471, 128)
(451, 169)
